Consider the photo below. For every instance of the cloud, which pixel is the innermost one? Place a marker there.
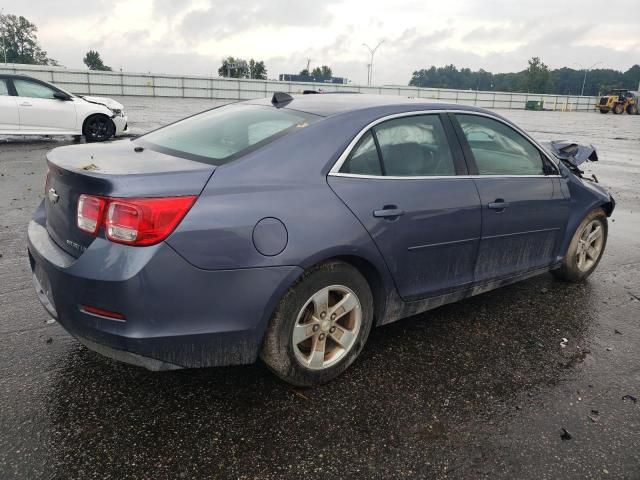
(192, 36)
(170, 8)
(411, 39)
(58, 10)
(234, 17)
(500, 33)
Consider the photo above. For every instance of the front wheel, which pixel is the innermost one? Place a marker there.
(604, 110)
(320, 325)
(98, 128)
(586, 248)
(618, 109)
(632, 109)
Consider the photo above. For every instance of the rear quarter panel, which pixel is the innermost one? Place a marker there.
(284, 180)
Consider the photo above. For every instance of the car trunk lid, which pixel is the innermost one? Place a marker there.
(111, 170)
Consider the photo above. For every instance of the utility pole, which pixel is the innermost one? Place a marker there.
(4, 48)
(584, 79)
(372, 52)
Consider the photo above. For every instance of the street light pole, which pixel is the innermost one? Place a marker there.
(372, 52)
(584, 79)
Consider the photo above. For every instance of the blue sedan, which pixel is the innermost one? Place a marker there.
(287, 228)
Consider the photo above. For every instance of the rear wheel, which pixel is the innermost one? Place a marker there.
(320, 325)
(618, 108)
(586, 248)
(604, 110)
(98, 128)
(632, 109)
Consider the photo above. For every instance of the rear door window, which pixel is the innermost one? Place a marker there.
(415, 146)
(222, 134)
(363, 159)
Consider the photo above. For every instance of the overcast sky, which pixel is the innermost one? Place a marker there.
(192, 36)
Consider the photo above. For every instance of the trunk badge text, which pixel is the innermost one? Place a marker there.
(53, 195)
(77, 246)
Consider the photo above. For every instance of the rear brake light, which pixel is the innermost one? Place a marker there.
(133, 221)
(101, 312)
(90, 212)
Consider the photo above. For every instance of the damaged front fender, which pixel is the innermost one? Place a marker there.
(106, 102)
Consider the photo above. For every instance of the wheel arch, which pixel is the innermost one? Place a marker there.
(607, 207)
(576, 219)
(378, 281)
(108, 118)
(375, 280)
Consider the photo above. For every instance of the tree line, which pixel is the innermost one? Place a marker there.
(234, 67)
(20, 42)
(537, 78)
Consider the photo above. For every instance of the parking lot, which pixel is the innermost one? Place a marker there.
(478, 389)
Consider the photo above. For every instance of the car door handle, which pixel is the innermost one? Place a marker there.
(26, 104)
(388, 211)
(499, 204)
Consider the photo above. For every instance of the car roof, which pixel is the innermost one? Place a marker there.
(327, 105)
(17, 75)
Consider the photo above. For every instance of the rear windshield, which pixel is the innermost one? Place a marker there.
(220, 135)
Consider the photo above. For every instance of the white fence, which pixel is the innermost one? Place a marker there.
(87, 82)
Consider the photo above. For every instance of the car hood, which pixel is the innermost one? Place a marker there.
(107, 102)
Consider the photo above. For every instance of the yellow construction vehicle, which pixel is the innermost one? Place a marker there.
(620, 100)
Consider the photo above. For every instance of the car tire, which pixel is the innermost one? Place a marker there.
(98, 128)
(604, 110)
(632, 109)
(586, 248)
(300, 344)
(618, 108)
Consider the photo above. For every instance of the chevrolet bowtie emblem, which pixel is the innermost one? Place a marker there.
(53, 195)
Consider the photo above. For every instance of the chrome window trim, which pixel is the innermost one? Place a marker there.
(434, 177)
(335, 170)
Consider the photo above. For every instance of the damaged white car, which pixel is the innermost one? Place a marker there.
(29, 106)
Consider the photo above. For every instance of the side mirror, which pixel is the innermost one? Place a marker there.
(61, 96)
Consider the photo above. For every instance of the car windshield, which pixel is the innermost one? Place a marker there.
(218, 136)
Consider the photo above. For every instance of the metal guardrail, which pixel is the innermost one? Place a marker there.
(88, 82)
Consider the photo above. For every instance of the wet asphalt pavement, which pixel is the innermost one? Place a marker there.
(477, 389)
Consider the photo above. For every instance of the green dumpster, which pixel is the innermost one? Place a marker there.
(537, 105)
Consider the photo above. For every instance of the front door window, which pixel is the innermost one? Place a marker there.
(25, 88)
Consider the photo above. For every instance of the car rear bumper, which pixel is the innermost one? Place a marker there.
(175, 315)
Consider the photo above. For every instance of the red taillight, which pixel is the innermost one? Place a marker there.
(134, 221)
(123, 222)
(101, 312)
(90, 212)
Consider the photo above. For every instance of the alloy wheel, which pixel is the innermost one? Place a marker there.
(590, 245)
(327, 327)
(98, 128)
